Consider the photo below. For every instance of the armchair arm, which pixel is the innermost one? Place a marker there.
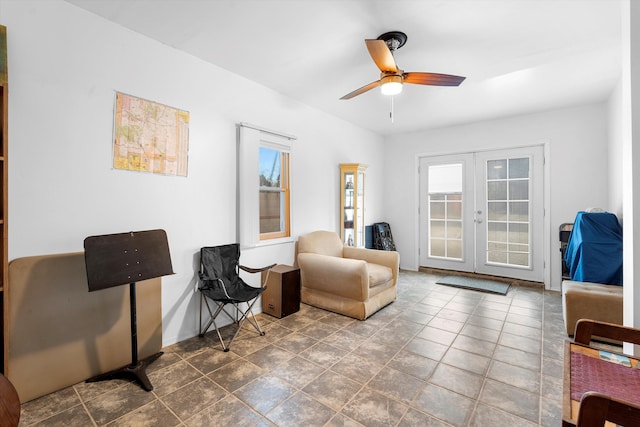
(348, 278)
(585, 329)
(389, 259)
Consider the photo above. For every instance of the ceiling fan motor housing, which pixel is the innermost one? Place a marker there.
(393, 39)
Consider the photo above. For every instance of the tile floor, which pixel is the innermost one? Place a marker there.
(438, 356)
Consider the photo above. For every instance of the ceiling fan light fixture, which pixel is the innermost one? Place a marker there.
(391, 85)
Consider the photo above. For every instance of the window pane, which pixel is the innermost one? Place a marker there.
(274, 193)
(270, 212)
(269, 167)
(519, 168)
(436, 210)
(454, 210)
(499, 257)
(445, 178)
(497, 211)
(454, 229)
(519, 190)
(497, 169)
(497, 231)
(519, 233)
(437, 228)
(497, 190)
(436, 248)
(518, 248)
(519, 211)
(519, 259)
(454, 249)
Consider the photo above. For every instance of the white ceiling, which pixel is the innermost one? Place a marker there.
(519, 56)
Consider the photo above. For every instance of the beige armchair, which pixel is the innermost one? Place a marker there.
(355, 282)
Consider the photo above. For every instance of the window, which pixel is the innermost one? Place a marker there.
(445, 211)
(274, 193)
(264, 183)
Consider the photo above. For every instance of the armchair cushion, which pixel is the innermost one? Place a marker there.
(378, 275)
(321, 242)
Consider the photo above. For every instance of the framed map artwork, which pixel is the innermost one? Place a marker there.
(150, 137)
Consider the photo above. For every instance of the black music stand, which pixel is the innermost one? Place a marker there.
(117, 259)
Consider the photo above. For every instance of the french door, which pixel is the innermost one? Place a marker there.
(483, 212)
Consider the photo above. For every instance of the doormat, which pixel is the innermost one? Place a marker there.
(481, 285)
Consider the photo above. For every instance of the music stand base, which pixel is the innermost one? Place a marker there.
(136, 372)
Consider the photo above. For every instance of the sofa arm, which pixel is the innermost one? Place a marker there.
(348, 278)
(389, 259)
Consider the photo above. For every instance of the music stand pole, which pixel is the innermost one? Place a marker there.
(137, 369)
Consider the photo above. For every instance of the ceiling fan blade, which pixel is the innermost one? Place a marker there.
(381, 55)
(433, 79)
(362, 90)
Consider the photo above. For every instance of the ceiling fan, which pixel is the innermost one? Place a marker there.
(392, 77)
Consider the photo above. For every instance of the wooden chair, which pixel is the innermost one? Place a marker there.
(9, 404)
(597, 408)
(587, 329)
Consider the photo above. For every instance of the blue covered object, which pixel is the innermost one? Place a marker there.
(594, 251)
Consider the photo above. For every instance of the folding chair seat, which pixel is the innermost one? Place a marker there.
(221, 286)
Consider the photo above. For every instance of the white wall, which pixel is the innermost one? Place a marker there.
(630, 159)
(577, 163)
(616, 178)
(65, 65)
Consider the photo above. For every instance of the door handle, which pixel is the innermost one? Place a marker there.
(478, 219)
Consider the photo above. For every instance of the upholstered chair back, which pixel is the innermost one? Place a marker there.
(321, 242)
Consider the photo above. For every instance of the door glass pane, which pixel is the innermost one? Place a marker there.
(518, 233)
(454, 210)
(496, 169)
(497, 231)
(497, 190)
(497, 211)
(437, 229)
(508, 212)
(454, 249)
(454, 229)
(437, 210)
(497, 257)
(519, 211)
(436, 247)
(519, 168)
(521, 259)
(519, 190)
(445, 211)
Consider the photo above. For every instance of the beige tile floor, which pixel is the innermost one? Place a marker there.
(438, 356)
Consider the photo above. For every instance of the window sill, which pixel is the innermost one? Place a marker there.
(271, 242)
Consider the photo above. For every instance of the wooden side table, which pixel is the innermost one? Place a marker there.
(282, 296)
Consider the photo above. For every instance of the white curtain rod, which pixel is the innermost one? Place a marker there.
(261, 129)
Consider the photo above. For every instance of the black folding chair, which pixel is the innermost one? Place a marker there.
(221, 284)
